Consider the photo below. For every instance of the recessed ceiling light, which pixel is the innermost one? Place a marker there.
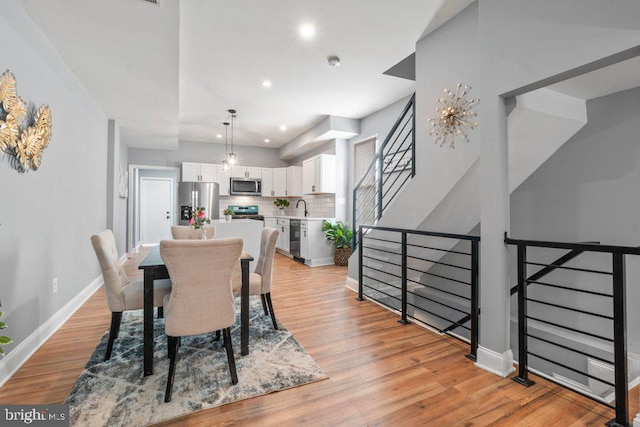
(283, 127)
(266, 83)
(267, 140)
(307, 31)
(218, 136)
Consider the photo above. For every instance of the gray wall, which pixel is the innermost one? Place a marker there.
(588, 191)
(48, 216)
(205, 152)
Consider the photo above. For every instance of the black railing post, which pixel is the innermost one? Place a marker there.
(360, 248)
(380, 171)
(523, 369)
(413, 137)
(404, 320)
(354, 239)
(475, 306)
(620, 342)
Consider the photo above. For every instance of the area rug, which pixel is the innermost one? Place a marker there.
(115, 392)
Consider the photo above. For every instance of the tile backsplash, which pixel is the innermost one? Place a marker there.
(318, 206)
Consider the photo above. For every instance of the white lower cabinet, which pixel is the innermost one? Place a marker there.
(314, 247)
(284, 236)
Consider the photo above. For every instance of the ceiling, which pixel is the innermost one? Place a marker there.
(171, 71)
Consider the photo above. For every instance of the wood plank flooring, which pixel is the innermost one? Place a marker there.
(381, 373)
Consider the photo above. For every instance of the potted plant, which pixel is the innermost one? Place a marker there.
(4, 340)
(228, 214)
(281, 204)
(340, 235)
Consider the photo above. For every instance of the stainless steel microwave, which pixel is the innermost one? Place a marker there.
(246, 186)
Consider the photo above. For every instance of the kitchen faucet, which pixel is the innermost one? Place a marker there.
(305, 206)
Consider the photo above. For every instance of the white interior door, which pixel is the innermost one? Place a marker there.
(155, 210)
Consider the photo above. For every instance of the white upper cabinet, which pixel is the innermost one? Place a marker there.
(267, 182)
(294, 181)
(319, 174)
(246, 172)
(280, 182)
(199, 172)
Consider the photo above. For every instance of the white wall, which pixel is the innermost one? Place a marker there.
(48, 216)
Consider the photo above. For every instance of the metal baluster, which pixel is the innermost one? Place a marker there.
(523, 371)
(620, 342)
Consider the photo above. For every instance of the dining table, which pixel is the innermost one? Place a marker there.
(155, 269)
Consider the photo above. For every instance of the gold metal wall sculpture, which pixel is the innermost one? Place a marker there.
(454, 116)
(24, 131)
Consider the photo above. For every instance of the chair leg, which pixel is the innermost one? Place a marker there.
(116, 318)
(217, 335)
(264, 305)
(230, 358)
(172, 345)
(273, 315)
(160, 312)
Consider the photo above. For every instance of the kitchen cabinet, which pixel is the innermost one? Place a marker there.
(246, 172)
(224, 178)
(274, 182)
(319, 174)
(199, 172)
(315, 249)
(294, 181)
(280, 182)
(267, 182)
(284, 236)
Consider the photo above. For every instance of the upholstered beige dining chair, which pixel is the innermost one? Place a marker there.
(260, 280)
(122, 294)
(201, 299)
(182, 232)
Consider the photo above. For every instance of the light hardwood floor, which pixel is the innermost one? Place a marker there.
(380, 372)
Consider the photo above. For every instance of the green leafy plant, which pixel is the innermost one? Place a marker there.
(228, 212)
(281, 203)
(338, 233)
(4, 340)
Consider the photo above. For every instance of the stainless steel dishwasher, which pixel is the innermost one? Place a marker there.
(294, 238)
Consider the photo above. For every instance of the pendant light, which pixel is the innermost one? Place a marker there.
(225, 163)
(231, 157)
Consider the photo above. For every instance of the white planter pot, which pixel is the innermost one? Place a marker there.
(228, 217)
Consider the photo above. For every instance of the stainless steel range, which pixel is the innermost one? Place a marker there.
(246, 212)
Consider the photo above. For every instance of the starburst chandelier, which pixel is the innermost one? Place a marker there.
(454, 116)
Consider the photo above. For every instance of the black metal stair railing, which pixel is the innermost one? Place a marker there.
(589, 304)
(427, 276)
(391, 168)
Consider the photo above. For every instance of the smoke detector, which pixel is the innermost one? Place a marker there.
(334, 61)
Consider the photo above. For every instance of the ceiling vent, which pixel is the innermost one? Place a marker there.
(154, 2)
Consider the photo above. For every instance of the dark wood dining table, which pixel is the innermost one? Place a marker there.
(154, 269)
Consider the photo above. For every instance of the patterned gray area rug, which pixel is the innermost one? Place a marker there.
(115, 392)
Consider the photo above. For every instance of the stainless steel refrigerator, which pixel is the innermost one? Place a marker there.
(198, 194)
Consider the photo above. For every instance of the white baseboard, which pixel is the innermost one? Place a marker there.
(496, 363)
(10, 364)
(352, 284)
(319, 262)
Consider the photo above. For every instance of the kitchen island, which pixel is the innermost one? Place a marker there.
(314, 249)
(247, 229)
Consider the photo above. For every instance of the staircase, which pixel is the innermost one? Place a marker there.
(408, 191)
